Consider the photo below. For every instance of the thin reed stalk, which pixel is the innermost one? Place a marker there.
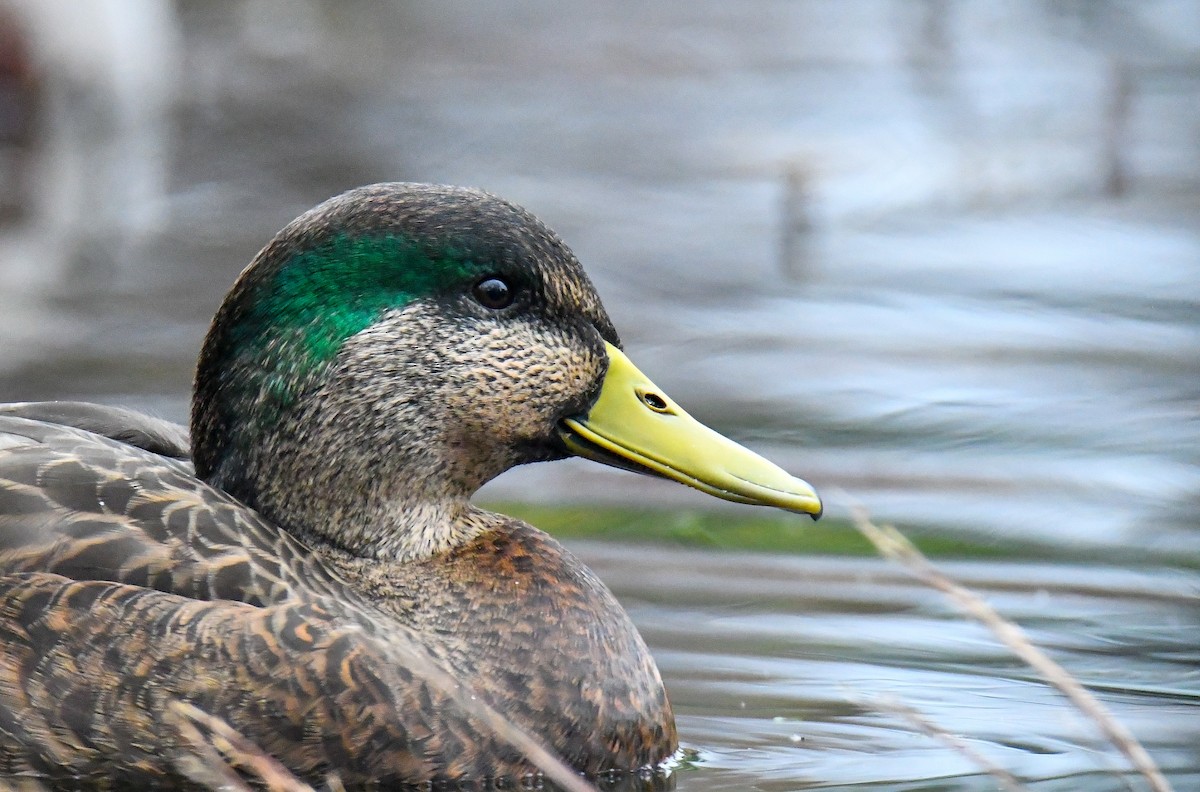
(895, 546)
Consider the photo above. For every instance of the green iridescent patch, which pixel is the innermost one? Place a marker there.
(336, 290)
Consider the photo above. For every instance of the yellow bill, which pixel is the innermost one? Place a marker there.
(634, 425)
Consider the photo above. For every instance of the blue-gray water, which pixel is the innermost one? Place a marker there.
(944, 257)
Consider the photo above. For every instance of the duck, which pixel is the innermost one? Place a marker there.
(304, 563)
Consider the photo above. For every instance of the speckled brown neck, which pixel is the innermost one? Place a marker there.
(419, 413)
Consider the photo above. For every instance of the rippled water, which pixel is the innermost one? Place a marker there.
(893, 270)
(794, 672)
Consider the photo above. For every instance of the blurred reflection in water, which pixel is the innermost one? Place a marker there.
(943, 255)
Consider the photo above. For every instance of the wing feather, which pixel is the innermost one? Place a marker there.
(89, 507)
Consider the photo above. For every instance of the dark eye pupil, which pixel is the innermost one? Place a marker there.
(493, 293)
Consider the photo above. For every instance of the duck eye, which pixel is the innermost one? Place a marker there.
(493, 293)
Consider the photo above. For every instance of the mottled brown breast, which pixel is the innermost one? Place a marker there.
(519, 616)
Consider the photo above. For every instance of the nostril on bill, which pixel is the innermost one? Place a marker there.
(654, 402)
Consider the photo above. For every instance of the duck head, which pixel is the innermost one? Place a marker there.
(395, 348)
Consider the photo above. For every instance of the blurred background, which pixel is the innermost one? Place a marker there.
(941, 255)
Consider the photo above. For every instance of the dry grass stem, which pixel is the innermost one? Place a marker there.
(220, 746)
(551, 766)
(1006, 780)
(22, 785)
(893, 545)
